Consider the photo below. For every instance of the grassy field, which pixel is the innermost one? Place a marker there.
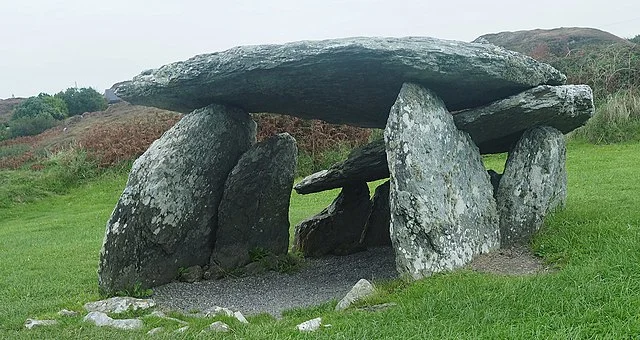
(49, 254)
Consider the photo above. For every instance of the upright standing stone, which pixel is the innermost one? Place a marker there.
(442, 209)
(533, 184)
(376, 230)
(336, 229)
(254, 212)
(166, 216)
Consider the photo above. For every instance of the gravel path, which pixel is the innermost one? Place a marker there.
(319, 281)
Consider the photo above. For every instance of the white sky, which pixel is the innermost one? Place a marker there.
(50, 45)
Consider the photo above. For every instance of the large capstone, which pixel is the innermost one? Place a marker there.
(442, 208)
(376, 230)
(336, 229)
(534, 183)
(498, 126)
(166, 216)
(254, 212)
(351, 81)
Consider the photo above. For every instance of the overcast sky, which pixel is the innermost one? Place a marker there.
(50, 45)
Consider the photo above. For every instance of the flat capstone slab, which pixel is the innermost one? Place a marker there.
(346, 81)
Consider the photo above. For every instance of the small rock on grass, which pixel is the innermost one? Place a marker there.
(310, 325)
(218, 326)
(66, 312)
(362, 289)
(119, 304)
(162, 315)
(155, 330)
(101, 319)
(31, 323)
(181, 329)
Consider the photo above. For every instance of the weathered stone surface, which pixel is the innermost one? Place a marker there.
(376, 230)
(254, 211)
(165, 218)
(310, 325)
(119, 304)
(494, 128)
(498, 126)
(67, 313)
(101, 319)
(218, 327)
(442, 209)
(495, 181)
(337, 228)
(352, 80)
(191, 274)
(360, 290)
(533, 184)
(364, 164)
(32, 323)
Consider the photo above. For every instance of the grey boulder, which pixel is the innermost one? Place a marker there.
(254, 211)
(348, 81)
(442, 208)
(166, 216)
(336, 229)
(101, 319)
(376, 230)
(119, 304)
(534, 183)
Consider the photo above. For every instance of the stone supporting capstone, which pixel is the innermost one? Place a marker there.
(336, 229)
(254, 211)
(533, 184)
(376, 230)
(442, 209)
(167, 215)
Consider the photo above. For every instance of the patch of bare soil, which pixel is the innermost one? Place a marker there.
(512, 261)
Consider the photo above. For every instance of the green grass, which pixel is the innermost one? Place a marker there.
(49, 254)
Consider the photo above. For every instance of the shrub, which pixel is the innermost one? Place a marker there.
(82, 100)
(616, 120)
(30, 126)
(635, 39)
(42, 105)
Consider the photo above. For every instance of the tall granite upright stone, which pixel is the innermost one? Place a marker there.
(442, 208)
(166, 216)
(534, 183)
(254, 211)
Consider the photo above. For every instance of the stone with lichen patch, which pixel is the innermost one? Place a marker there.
(442, 208)
(166, 216)
(534, 183)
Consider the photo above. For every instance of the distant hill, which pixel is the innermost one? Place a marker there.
(558, 42)
(6, 107)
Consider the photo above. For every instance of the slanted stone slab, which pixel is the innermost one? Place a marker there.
(351, 81)
(533, 184)
(364, 164)
(494, 128)
(336, 229)
(165, 218)
(498, 126)
(442, 208)
(254, 211)
(376, 230)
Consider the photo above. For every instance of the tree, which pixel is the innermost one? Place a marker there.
(635, 39)
(82, 100)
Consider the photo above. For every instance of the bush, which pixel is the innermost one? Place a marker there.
(635, 39)
(607, 69)
(82, 100)
(42, 105)
(30, 126)
(616, 120)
